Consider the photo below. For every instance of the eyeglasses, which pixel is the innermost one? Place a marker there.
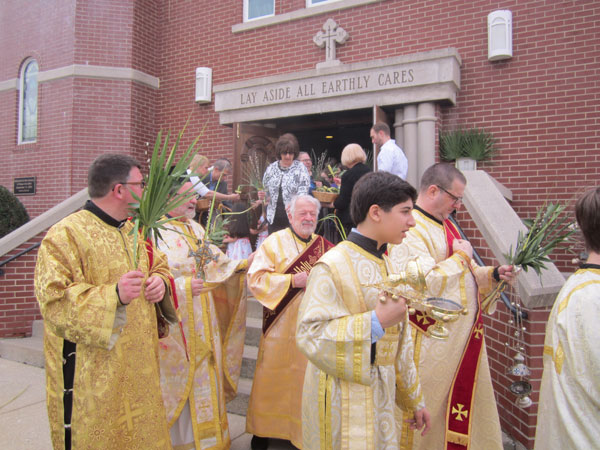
(142, 184)
(455, 200)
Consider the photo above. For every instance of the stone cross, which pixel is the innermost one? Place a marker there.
(327, 38)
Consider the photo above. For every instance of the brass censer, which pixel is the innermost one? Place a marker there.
(411, 285)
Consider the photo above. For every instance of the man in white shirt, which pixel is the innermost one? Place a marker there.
(391, 158)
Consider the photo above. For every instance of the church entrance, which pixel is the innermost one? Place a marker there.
(320, 135)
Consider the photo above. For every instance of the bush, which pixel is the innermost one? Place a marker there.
(473, 143)
(12, 212)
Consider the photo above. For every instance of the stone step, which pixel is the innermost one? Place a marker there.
(253, 331)
(254, 308)
(23, 350)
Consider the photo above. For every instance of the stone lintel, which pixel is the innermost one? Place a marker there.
(500, 226)
(428, 76)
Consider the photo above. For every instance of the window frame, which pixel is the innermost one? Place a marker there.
(310, 4)
(247, 8)
(20, 137)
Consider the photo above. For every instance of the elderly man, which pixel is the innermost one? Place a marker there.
(200, 359)
(454, 373)
(277, 278)
(390, 158)
(100, 320)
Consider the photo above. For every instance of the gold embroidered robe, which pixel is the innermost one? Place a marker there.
(569, 408)
(116, 397)
(348, 402)
(438, 360)
(215, 341)
(275, 405)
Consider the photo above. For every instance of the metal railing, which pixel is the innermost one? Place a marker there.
(21, 253)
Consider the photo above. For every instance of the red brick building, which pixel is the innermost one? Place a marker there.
(110, 74)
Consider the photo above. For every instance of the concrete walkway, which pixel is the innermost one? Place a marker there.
(24, 421)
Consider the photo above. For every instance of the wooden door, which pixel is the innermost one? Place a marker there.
(253, 144)
(379, 115)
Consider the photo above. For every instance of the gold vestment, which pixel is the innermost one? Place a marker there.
(202, 369)
(116, 392)
(275, 405)
(569, 408)
(351, 401)
(456, 278)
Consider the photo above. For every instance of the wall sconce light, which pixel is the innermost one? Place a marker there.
(499, 35)
(203, 84)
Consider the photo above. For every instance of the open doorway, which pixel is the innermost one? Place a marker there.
(331, 132)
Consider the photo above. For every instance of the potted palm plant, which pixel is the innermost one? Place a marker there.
(466, 147)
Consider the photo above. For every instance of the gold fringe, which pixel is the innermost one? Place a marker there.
(457, 438)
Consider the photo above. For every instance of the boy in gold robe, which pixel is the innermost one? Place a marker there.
(361, 372)
(100, 338)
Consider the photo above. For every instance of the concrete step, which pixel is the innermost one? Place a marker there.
(23, 350)
(253, 331)
(254, 308)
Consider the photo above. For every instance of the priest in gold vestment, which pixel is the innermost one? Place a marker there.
(200, 359)
(361, 375)
(459, 389)
(101, 339)
(277, 278)
(569, 409)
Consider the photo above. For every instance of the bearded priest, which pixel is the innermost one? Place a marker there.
(200, 359)
(277, 278)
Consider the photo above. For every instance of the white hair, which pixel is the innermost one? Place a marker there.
(308, 198)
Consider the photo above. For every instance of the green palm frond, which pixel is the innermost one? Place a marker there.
(549, 229)
(161, 193)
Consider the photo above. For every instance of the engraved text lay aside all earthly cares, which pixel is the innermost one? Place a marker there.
(340, 85)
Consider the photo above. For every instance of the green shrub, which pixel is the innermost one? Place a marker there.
(12, 212)
(473, 143)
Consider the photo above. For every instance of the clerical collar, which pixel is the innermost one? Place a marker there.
(589, 266)
(366, 243)
(306, 241)
(104, 217)
(426, 214)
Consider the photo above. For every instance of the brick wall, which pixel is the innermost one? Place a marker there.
(18, 306)
(541, 105)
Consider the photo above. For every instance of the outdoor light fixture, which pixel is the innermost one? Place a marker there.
(499, 35)
(203, 84)
(328, 137)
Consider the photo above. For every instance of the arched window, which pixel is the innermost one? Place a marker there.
(28, 102)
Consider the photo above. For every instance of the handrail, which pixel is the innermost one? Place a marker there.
(42, 222)
(479, 261)
(21, 253)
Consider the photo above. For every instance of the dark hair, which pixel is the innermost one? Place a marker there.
(381, 126)
(587, 212)
(108, 170)
(239, 225)
(379, 188)
(441, 174)
(288, 143)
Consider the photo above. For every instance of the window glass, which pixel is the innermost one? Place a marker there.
(29, 103)
(318, 2)
(254, 9)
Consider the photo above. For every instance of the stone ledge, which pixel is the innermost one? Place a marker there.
(500, 226)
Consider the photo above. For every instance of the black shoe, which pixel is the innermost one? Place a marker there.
(259, 443)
